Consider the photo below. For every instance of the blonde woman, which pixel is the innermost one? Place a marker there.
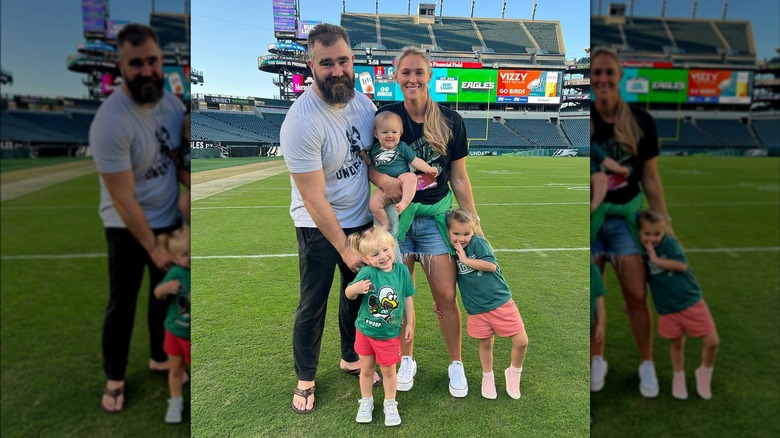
(628, 135)
(438, 136)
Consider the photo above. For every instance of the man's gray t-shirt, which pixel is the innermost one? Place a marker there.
(317, 136)
(124, 135)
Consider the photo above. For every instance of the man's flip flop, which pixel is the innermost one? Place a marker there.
(114, 394)
(305, 394)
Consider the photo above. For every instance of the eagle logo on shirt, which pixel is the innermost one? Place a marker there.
(383, 304)
(385, 157)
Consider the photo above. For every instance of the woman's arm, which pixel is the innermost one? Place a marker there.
(461, 187)
(654, 190)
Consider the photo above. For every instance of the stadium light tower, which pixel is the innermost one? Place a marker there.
(472, 8)
(533, 13)
(725, 8)
(693, 13)
(663, 8)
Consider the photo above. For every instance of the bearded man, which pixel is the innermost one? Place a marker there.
(321, 138)
(130, 139)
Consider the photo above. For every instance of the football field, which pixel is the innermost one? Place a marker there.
(245, 283)
(725, 213)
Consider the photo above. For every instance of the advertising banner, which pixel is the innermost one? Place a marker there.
(284, 18)
(297, 84)
(94, 15)
(524, 86)
(686, 86)
(304, 26)
(467, 85)
(719, 86)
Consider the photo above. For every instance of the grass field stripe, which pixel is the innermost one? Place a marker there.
(53, 256)
(730, 250)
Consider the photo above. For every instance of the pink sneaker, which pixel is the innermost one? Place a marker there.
(512, 383)
(679, 389)
(703, 381)
(489, 387)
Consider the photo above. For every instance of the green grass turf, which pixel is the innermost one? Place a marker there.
(9, 165)
(715, 202)
(51, 315)
(242, 327)
(202, 164)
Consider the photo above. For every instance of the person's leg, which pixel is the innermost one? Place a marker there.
(390, 382)
(175, 375)
(710, 344)
(632, 275)
(409, 188)
(156, 311)
(597, 346)
(486, 354)
(519, 348)
(377, 207)
(316, 262)
(367, 370)
(407, 348)
(441, 273)
(677, 354)
(125, 265)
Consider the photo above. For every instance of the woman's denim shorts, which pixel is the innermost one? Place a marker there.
(424, 238)
(614, 239)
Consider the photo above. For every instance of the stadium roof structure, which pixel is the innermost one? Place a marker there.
(173, 31)
(494, 42)
(685, 42)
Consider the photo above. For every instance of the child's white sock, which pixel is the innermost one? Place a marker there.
(515, 370)
(488, 374)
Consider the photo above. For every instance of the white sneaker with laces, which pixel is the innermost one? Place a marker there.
(406, 373)
(391, 413)
(459, 387)
(598, 372)
(648, 383)
(175, 408)
(365, 410)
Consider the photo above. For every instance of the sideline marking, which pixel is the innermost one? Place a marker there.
(264, 256)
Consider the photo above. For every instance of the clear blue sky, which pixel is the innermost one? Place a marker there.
(226, 40)
(37, 36)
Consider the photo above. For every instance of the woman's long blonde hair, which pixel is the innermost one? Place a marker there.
(627, 132)
(436, 131)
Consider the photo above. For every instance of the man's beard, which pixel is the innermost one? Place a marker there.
(146, 89)
(332, 93)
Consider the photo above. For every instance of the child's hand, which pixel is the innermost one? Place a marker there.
(362, 287)
(409, 333)
(459, 251)
(624, 171)
(436, 311)
(650, 251)
(434, 171)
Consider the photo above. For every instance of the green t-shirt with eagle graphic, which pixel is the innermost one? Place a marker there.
(382, 309)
